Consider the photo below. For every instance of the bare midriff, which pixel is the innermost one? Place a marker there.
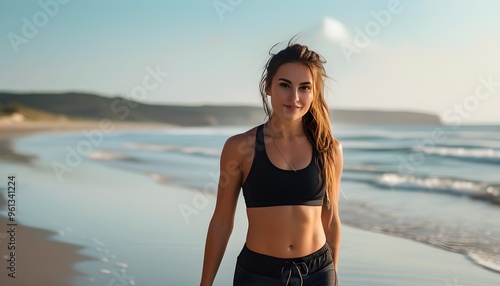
(285, 231)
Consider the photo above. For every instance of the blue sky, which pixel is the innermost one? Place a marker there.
(431, 56)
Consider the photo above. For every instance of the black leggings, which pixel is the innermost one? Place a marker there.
(317, 268)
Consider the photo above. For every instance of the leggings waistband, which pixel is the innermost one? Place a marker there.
(271, 266)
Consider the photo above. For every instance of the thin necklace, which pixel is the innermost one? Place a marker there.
(279, 151)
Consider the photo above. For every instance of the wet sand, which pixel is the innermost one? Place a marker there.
(40, 260)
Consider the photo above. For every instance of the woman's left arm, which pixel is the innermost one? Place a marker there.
(330, 217)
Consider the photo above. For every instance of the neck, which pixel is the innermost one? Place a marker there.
(285, 129)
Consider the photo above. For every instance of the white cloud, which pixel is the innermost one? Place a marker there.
(334, 30)
(329, 31)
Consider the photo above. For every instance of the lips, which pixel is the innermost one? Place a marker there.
(291, 107)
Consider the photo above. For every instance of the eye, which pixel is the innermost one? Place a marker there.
(305, 87)
(284, 85)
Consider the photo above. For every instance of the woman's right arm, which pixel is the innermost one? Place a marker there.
(221, 225)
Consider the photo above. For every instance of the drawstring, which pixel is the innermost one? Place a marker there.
(289, 267)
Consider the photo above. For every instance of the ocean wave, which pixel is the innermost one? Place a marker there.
(207, 131)
(377, 148)
(379, 134)
(470, 144)
(161, 179)
(109, 156)
(478, 243)
(174, 148)
(360, 168)
(484, 260)
(493, 134)
(457, 187)
(489, 155)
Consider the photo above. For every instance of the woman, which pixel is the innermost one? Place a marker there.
(289, 169)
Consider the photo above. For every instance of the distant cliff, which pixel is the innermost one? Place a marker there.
(48, 106)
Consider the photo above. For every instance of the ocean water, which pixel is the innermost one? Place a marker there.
(438, 185)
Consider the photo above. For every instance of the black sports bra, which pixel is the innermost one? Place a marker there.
(267, 185)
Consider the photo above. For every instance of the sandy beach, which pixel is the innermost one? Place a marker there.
(37, 263)
(102, 202)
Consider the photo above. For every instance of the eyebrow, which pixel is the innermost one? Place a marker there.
(290, 82)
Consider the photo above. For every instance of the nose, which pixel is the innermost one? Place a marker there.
(294, 94)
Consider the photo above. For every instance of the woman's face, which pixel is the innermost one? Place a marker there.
(291, 91)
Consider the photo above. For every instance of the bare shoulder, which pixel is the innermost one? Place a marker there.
(337, 150)
(241, 138)
(337, 146)
(240, 145)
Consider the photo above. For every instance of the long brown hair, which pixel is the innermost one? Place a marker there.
(316, 121)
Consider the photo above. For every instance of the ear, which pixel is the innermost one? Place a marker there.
(268, 91)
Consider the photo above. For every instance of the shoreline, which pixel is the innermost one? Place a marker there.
(12, 129)
(36, 246)
(33, 247)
